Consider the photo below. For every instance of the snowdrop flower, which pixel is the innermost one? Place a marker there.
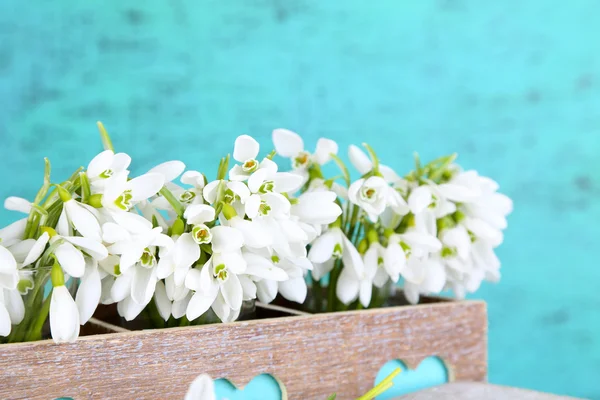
(104, 166)
(331, 246)
(79, 217)
(374, 261)
(121, 194)
(441, 198)
(290, 145)
(432, 281)
(64, 315)
(234, 193)
(12, 310)
(217, 285)
(245, 152)
(203, 388)
(404, 253)
(351, 285)
(373, 195)
(364, 165)
(318, 184)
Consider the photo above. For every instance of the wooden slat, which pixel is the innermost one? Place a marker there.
(313, 356)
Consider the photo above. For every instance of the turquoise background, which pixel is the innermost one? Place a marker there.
(513, 86)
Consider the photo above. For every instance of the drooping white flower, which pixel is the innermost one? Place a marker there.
(373, 195)
(405, 252)
(121, 194)
(9, 275)
(331, 246)
(363, 164)
(245, 151)
(82, 219)
(351, 285)
(64, 316)
(432, 282)
(374, 260)
(13, 233)
(290, 145)
(203, 388)
(217, 285)
(104, 166)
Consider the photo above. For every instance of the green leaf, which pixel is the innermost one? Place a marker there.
(332, 397)
(342, 167)
(106, 142)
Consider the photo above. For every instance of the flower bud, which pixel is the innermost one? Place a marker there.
(178, 227)
(64, 194)
(56, 275)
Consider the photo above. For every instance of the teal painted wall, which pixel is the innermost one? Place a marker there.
(513, 86)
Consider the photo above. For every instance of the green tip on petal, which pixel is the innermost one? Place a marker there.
(228, 211)
(95, 200)
(50, 231)
(363, 245)
(57, 276)
(178, 227)
(373, 237)
(64, 194)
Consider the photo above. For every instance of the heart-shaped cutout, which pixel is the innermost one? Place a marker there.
(261, 387)
(432, 371)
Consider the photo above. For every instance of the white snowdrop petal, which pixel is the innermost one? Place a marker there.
(20, 204)
(210, 191)
(70, 259)
(287, 182)
(199, 214)
(245, 148)
(163, 304)
(89, 293)
(323, 246)
(266, 290)
(120, 162)
(14, 305)
(64, 316)
(294, 289)
(179, 307)
(256, 180)
(351, 257)
(8, 263)
(13, 233)
(83, 220)
(347, 286)
(198, 305)
(143, 284)
(248, 287)
(129, 309)
(193, 178)
(132, 222)
(287, 143)
(121, 288)
(325, 147)
(37, 249)
(169, 170)
(234, 261)
(97, 250)
(365, 291)
(359, 159)
(232, 292)
(100, 163)
(419, 199)
(225, 238)
(5, 323)
(145, 186)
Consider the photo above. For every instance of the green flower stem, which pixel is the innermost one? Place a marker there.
(35, 332)
(374, 158)
(33, 304)
(85, 187)
(343, 168)
(317, 290)
(177, 206)
(333, 279)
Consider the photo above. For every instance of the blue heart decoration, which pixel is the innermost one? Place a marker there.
(261, 387)
(431, 372)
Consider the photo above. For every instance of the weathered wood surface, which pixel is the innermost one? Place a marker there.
(312, 356)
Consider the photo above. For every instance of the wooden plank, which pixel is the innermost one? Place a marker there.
(312, 356)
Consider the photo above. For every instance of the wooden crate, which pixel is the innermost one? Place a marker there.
(311, 356)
